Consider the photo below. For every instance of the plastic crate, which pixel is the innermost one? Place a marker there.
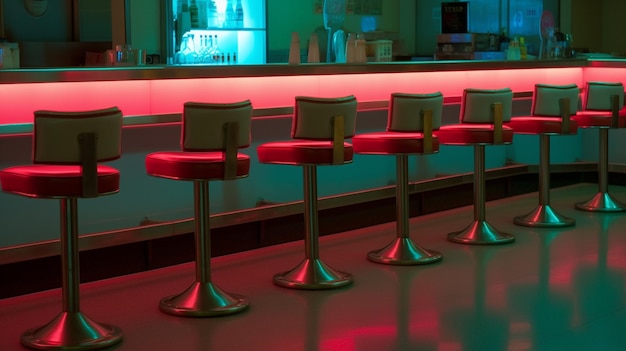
(380, 50)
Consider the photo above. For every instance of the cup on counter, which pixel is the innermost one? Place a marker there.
(139, 57)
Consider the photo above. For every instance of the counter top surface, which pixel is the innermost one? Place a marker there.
(82, 74)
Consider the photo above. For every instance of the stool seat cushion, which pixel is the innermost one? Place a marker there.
(55, 181)
(539, 125)
(183, 165)
(391, 143)
(301, 152)
(589, 118)
(471, 134)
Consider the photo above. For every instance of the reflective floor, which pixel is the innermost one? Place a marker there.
(552, 289)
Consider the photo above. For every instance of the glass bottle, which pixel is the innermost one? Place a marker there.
(217, 54)
(190, 51)
(179, 58)
(193, 13)
(208, 53)
(212, 15)
(230, 15)
(239, 15)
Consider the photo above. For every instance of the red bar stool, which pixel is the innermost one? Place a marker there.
(412, 118)
(482, 115)
(553, 106)
(67, 149)
(603, 108)
(211, 135)
(319, 128)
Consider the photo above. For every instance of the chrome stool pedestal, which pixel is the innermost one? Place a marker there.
(71, 329)
(403, 250)
(544, 215)
(602, 201)
(312, 273)
(479, 232)
(203, 298)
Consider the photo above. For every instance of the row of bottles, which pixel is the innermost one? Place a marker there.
(205, 14)
(203, 49)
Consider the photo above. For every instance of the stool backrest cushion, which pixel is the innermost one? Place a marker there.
(313, 117)
(546, 99)
(598, 95)
(476, 106)
(405, 111)
(56, 133)
(204, 125)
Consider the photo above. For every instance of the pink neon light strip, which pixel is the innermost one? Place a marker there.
(154, 97)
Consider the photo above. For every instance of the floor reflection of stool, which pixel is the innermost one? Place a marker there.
(482, 115)
(603, 108)
(211, 136)
(553, 106)
(319, 128)
(67, 147)
(412, 118)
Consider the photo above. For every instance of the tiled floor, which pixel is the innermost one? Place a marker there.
(552, 289)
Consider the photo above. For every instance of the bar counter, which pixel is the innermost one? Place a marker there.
(151, 98)
(152, 94)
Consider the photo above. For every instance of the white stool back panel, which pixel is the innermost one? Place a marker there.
(56, 135)
(477, 105)
(405, 111)
(313, 117)
(203, 125)
(547, 97)
(598, 95)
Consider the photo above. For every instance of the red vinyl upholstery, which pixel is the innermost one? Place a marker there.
(301, 152)
(391, 143)
(587, 119)
(312, 140)
(193, 165)
(406, 124)
(598, 105)
(57, 170)
(546, 115)
(471, 134)
(540, 125)
(54, 181)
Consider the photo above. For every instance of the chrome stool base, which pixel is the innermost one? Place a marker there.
(544, 216)
(601, 202)
(479, 232)
(312, 274)
(72, 331)
(404, 252)
(203, 300)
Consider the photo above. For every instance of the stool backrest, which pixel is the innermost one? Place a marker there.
(57, 135)
(204, 125)
(546, 99)
(598, 95)
(314, 117)
(406, 111)
(477, 105)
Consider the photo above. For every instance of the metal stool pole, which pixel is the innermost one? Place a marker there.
(203, 298)
(602, 201)
(480, 232)
(403, 250)
(543, 215)
(71, 329)
(311, 273)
